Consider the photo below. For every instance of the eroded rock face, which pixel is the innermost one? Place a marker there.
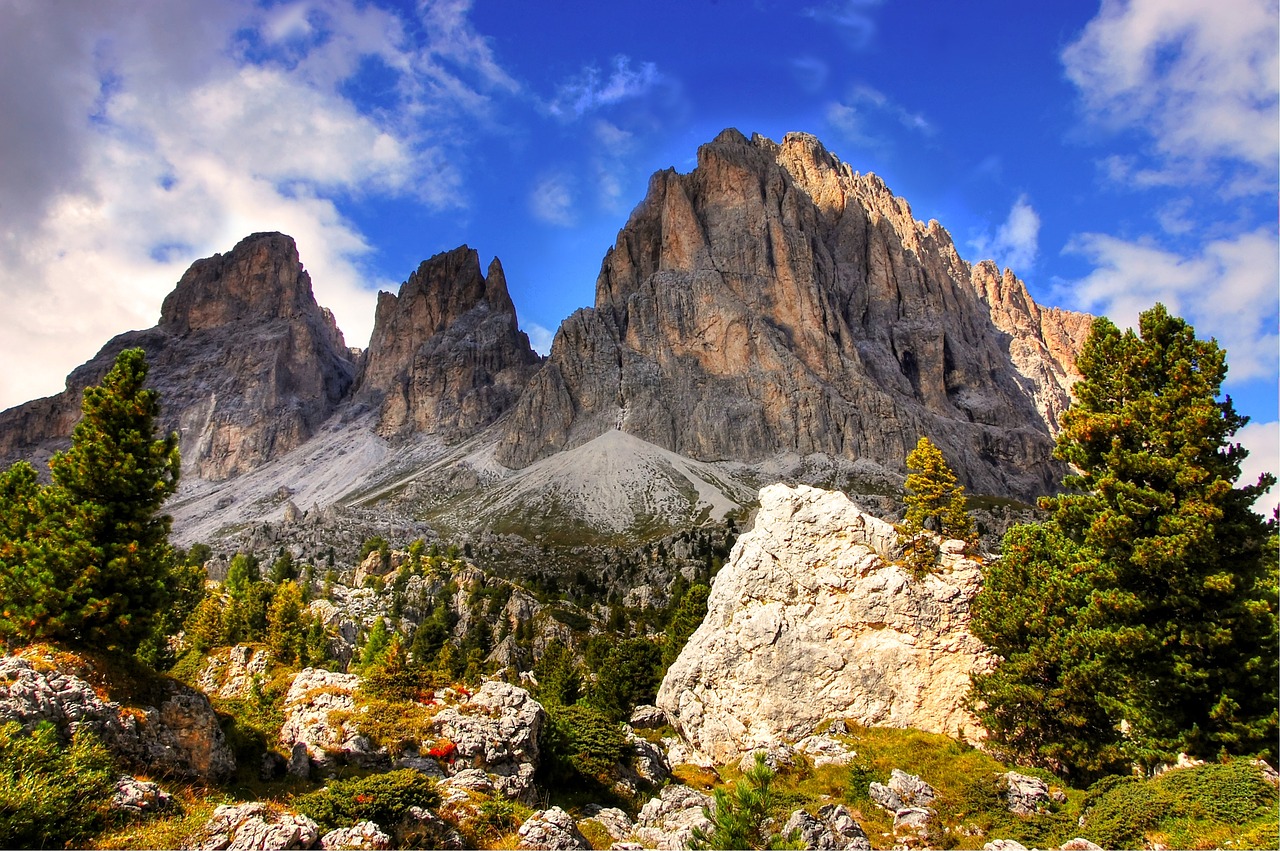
(447, 356)
(774, 301)
(808, 621)
(246, 362)
(179, 737)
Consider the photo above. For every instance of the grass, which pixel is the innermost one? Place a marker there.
(171, 830)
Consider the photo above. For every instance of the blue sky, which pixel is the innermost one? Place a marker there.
(1112, 155)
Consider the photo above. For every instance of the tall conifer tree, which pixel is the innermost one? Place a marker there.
(1173, 588)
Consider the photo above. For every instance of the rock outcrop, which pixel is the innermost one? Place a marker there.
(551, 830)
(447, 356)
(174, 734)
(773, 301)
(808, 621)
(668, 821)
(834, 827)
(493, 733)
(247, 365)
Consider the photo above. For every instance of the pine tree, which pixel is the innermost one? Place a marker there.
(935, 502)
(1049, 699)
(87, 558)
(744, 817)
(1171, 616)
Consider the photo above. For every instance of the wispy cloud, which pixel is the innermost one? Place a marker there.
(1227, 290)
(539, 338)
(864, 108)
(1017, 239)
(592, 89)
(135, 141)
(852, 18)
(1201, 78)
(1263, 442)
(551, 200)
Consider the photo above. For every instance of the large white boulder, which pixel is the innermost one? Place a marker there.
(810, 620)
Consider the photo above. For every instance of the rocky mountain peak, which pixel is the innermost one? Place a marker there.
(772, 302)
(247, 364)
(259, 280)
(447, 355)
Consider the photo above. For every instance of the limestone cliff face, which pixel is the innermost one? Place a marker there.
(1043, 341)
(808, 621)
(246, 362)
(447, 356)
(773, 301)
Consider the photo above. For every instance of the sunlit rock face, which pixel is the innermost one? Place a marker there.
(810, 621)
(774, 301)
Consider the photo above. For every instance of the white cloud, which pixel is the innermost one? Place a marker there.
(1227, 290)
(540, 338)
(1263, 442)
(1016, 242)
(590, 90)
(138, 140)
(552, 200)
(865, 107)
(1201, 77)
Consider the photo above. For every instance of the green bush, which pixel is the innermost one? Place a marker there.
(1185, 806)
(383, 799)
(580, 745)
(51, 794)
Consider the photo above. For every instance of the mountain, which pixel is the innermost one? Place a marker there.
(247, 364)
(773, 301)
(447, 355)
(771, 315)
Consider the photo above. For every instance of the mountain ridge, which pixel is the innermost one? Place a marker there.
(771, 313)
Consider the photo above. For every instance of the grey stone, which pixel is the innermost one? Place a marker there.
(647, 717)
(255, 827)
(1025, 795)
(552, 829)
(668, 821)
(362, 834)
(833, 828)
(139, 796)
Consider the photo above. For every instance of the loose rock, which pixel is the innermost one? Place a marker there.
(833, 829)
(256, 827)
(362, 834)
(551, 829)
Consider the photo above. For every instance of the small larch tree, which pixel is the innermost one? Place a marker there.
(935, 502)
